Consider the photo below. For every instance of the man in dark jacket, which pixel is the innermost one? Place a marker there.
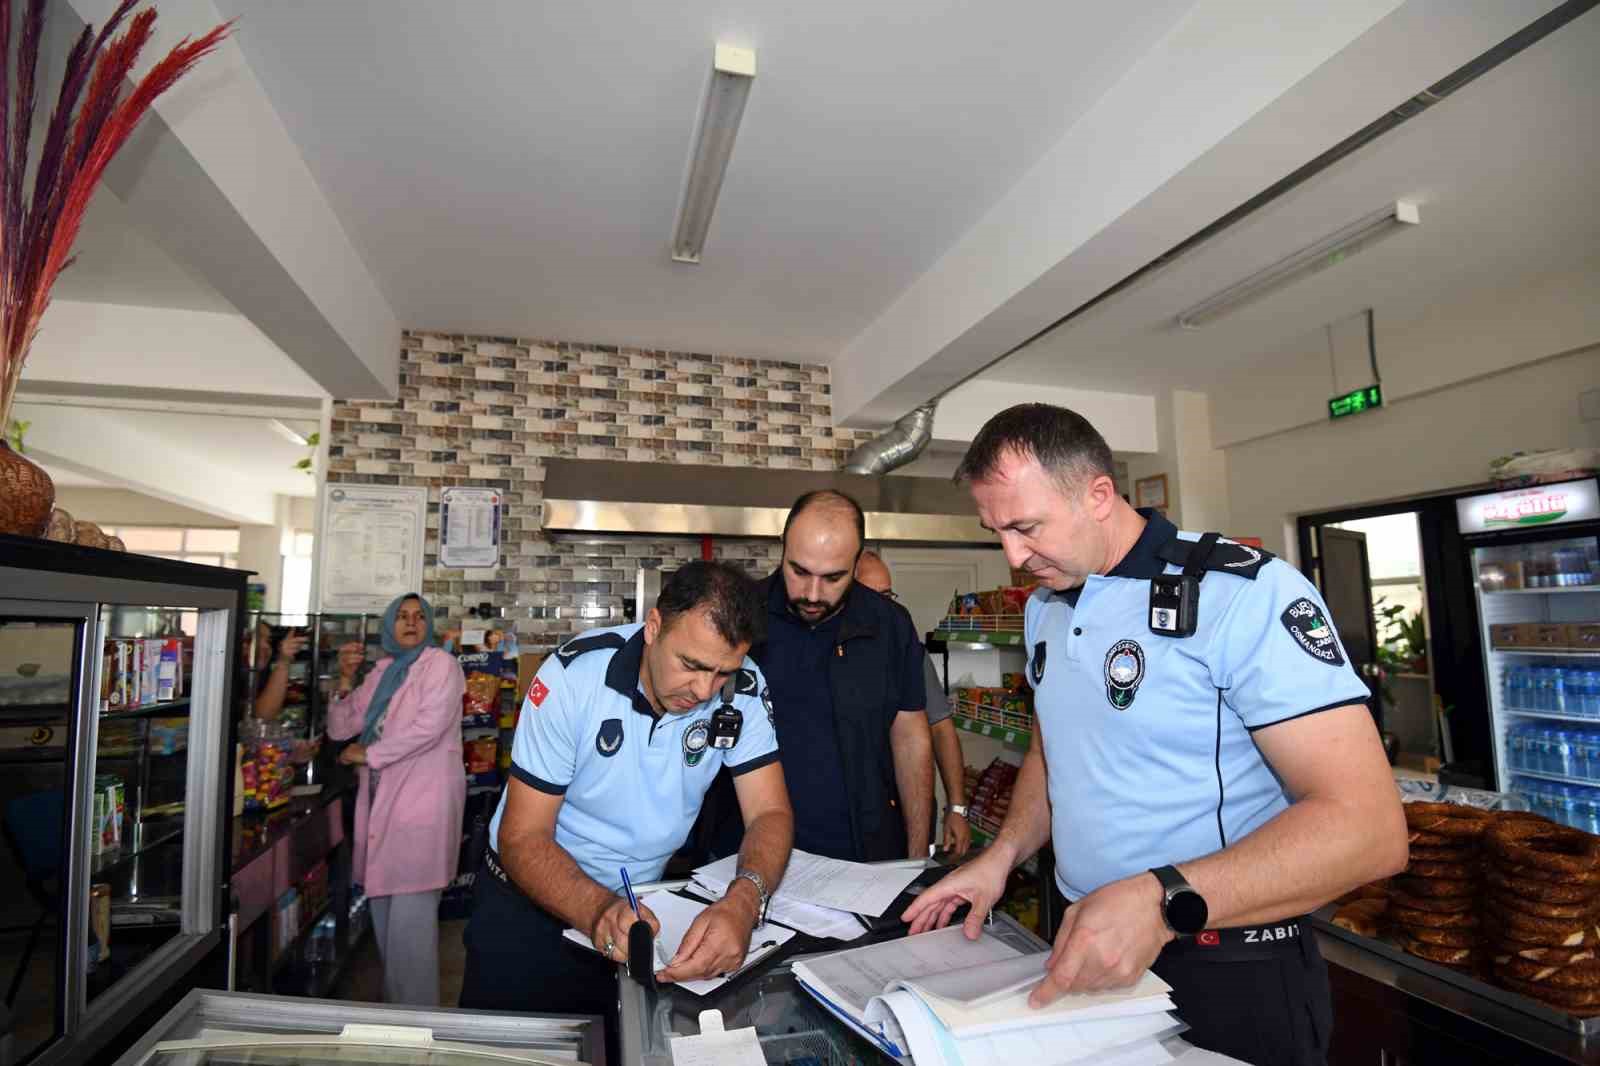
(846, 691)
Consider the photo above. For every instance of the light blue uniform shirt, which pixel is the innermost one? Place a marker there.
(1147, 737)
(631, 782)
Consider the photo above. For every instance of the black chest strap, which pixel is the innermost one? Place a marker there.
(1221, 557)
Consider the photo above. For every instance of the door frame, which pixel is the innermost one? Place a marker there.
(1376, 704)
(1455, 646)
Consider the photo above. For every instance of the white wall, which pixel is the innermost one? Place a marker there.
(1430, 443)
(120, 507)
(1163, 461)
(1455, 341)
(1202, 467)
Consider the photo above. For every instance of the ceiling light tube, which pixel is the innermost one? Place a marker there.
(732, 72)
(1330, 251)
(288, 433)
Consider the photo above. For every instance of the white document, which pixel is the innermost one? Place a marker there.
(676, 914)
(948, 973)
(716, 1046)
(863, 888)
(852, 978)
(469, 527)
(824, 922)
(1124, 1041)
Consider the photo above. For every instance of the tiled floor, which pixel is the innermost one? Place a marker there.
(363, 981)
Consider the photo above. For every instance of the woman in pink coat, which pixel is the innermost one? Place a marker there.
(407, 715)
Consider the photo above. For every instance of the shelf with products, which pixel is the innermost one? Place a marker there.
(143, 838)
(1560, 716)
(1560, 653)
(1542, 592)
(1011, 737)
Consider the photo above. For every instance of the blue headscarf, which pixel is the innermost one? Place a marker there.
(395, 676)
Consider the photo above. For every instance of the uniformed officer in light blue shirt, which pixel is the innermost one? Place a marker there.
(621, 733)
(1212, 770)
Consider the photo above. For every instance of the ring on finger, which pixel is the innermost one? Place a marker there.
(611, 948)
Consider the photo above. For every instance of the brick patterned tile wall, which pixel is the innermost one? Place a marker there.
(486, 411)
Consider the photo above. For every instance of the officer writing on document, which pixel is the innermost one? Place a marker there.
(1202, 743)
(621, 734)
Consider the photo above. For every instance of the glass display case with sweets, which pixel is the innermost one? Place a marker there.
(114, 679)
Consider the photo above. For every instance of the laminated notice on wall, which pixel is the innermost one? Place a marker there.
(469, 527)
(371, 546)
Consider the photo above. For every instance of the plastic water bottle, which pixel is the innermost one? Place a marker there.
(1562, 804)
(1591, 693)
(1591, 812)
(1513, 688)
(1548, 762)
(1564, 753)
(1538, 799)
(1579, 743)
(1516, 747)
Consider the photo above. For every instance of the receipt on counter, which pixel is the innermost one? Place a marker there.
(716, 1046)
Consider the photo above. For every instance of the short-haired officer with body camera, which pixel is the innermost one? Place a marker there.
(1204, 762)
(621, 734)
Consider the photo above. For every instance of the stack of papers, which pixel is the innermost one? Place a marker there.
(940, 999)
(821, 896)
(676, 914)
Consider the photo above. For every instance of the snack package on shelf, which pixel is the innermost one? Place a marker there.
(482, 697)
(168, 736)
(481, 755)
(991, 796)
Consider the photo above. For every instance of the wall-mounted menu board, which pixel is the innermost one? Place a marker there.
(372, 543)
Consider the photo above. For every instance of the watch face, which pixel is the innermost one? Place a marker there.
(1186, 912)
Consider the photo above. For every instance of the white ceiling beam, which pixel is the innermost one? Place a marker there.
(1240, 94)
(159, 347)
(117, 451)
(215, 179)
(169, 401)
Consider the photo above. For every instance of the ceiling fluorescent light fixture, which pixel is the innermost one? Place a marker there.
(732, 71)
(1330, 251)
(289, 433)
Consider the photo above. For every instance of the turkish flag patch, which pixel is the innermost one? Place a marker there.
(1208, 939)
(537, 692)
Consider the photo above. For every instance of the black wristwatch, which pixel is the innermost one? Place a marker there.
(1182, 908)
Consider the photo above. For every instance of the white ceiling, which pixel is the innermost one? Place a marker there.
(515, 168)
(1504, 171)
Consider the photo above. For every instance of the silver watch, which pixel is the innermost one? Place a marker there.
(956, 808)
(763, 900)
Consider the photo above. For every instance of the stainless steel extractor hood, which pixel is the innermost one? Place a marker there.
(593, 496)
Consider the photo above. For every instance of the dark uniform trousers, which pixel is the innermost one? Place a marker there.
(517, 959)
(1259, 994)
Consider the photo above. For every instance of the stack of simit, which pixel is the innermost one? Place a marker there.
(1433, 905)
(1542, 912)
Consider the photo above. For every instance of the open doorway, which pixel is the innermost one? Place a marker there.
(1398, 600)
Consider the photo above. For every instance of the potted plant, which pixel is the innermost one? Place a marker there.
(94, 114)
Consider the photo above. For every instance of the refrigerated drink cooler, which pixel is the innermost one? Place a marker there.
(1536, 566)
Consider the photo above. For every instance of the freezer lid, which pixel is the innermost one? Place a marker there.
(1534, 507)
(367, 1045)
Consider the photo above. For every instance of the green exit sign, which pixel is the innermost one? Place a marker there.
(1353, 403)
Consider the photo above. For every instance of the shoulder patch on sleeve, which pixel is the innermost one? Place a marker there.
(1226, 558)
(578, 645)
(744, 682)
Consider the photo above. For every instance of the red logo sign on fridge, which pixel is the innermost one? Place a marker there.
(1533, 508)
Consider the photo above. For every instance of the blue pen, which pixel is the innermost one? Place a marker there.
(627, 886)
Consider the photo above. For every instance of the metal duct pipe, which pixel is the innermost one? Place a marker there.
(896, 446)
